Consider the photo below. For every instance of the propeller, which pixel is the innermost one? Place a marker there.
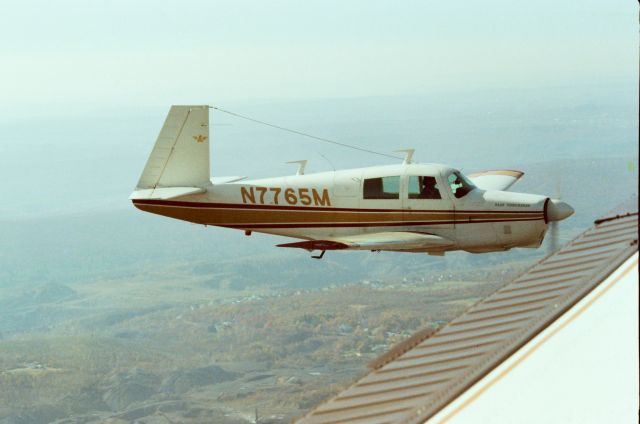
(553, 237)
(556, 210)
(553, 229)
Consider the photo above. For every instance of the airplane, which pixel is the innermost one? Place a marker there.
(404, 207)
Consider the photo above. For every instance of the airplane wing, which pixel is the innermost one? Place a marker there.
(393, 240)
(495, 179)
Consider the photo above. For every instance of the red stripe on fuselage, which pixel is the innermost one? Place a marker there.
(369, 224)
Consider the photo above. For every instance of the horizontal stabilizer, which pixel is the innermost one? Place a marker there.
(165, 193)
(226, 180)
(393, 240)
(496, 179)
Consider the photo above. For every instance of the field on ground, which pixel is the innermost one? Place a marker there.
(179, 349)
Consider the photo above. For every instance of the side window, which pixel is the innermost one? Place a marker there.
(381, 188)
(423, 188)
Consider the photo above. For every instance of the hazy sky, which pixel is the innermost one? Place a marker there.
(60, 55)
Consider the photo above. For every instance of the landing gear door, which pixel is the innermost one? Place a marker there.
(428, 202)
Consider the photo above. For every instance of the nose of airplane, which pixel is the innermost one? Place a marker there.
(557, 210)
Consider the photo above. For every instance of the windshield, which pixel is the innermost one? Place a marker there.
(460, 185)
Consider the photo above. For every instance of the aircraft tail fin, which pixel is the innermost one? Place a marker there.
(180, 157)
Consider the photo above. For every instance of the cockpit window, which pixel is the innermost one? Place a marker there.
(460, 185)
(423, 188)
(381, 188)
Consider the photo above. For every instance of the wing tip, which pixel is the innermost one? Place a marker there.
(508, 172)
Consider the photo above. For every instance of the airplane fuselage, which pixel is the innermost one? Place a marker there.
(366, 200)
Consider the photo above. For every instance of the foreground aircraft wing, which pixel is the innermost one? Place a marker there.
(496, 179)
(393, 240)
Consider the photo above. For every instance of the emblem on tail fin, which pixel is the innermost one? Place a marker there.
(200, 138)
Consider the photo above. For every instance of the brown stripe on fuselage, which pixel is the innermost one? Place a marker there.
(268, 216)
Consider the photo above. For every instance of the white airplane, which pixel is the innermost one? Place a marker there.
(407, 207)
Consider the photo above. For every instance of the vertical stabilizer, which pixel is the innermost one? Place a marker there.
(180, 157)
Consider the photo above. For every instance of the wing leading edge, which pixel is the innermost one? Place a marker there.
(501, 179)
(394, 240)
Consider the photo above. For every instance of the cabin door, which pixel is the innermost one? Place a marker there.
(427, 202)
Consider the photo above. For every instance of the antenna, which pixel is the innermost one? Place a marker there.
(301, 165)
(408, 155)
(327, 159)
(324, 140)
